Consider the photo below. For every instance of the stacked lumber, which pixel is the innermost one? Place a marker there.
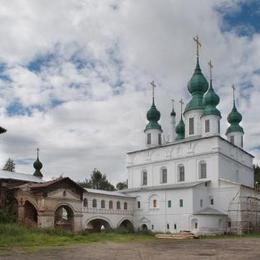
(180, 235)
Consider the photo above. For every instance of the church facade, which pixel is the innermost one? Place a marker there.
(198, 181)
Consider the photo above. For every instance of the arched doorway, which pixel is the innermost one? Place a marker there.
(64, 218)
(126, 225)
(194, 224)
(30, 214)
(144, 228)
(98, 225)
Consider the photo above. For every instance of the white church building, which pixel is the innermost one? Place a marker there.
(198, 181)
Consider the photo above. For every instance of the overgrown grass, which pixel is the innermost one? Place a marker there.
(14, 235)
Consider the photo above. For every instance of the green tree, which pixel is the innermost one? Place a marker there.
(9, 165)
(122, 185)
(98, 181)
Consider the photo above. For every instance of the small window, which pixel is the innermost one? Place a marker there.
(164, 175)
(110, 204)
(85, 203)
(201, 203)
(211, 201)
(168, 226)
(118, 206)
(138, 204)
(152, 226)
(181, 173)
(232, 139)
(103, 204)
(175, 226)
(229, 224)
(196, 225)
(169, 203)
(218, 126)
(242, 143)
(125, 205)
(203, 170)
(181, 203)
(64, 193)
(94, 203)
(154, 203)
(207, 126)
(159, 139)
(191, 126)
(149, 138)
(144, 177)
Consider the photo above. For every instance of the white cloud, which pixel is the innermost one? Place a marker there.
(102, 57)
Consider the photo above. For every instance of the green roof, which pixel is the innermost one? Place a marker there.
(153, 116)
(234, 118)
(180, 130)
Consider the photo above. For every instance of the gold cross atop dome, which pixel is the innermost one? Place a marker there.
(198, 44)
(210, 69)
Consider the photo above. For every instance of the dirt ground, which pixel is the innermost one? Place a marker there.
(244, 248)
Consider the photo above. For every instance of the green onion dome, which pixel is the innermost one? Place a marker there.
(173, 113)
(180, 130)
(210, 101)
(37, 166)
(197, 86)
(153, 116)
(234, 118)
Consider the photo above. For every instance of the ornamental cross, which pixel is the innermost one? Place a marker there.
(198, 44)
(153, 86)
(181, 102)
(210, 69)
(38, 150)
(172, 103)
(234, 89)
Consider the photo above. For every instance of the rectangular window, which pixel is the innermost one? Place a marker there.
(181, 203)
(175, 226)
(207, 129)
(218, 126)
(144, 178)
(211, 201)
(201, 203)
(138, 204)
(169, 203)
(168, 226)
(159, 139)
(191, 126)
(149, 138)
(203, 170)
(155, 203)
(232, 139)
(181, 173)
(152, 226)
(242, 141)
(164, 176)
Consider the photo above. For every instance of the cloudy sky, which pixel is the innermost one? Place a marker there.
(74, 75)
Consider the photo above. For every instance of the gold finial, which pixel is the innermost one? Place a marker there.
(181, 102)
(198, 44)
(153, 87)
(210, 69)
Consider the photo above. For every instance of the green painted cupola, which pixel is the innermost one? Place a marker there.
(197, 85)
(234, 118)
(211, 99)
(180, 128)
(153, 116)
(37, 165)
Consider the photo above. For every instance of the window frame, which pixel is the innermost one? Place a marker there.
(160, 139)
(110, 204)
(232, 139)
(149, 138)
(118, 205)
(207, 126)
(103, 204)
(94, 203)
(191, 126)
(85, 202)
(164, 175)
(144, 177)
(125, 205)
(181, 174)
(181, 203)
(202, 175)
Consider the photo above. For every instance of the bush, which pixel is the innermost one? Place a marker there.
(6, 217)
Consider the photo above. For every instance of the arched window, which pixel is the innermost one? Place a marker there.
(85, 203)
(202, 170)
(181, 173)
(191, 126)
(125, 205)
(118, 206)
(149, 138)
(163, 175)
(144, 177)
(94, 203)
(110, 204)
(154, 203)
(103, 204)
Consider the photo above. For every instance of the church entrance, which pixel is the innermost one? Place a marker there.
(126, 225)
(30, 214)
(98, 225)
(64, 218)
(144, 228)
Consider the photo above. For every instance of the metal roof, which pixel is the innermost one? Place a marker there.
(104, 192)
(209, 211)
(6, 175)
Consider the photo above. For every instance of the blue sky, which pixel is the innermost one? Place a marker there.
(74, 75)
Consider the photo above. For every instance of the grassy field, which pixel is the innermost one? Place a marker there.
(13, 235)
